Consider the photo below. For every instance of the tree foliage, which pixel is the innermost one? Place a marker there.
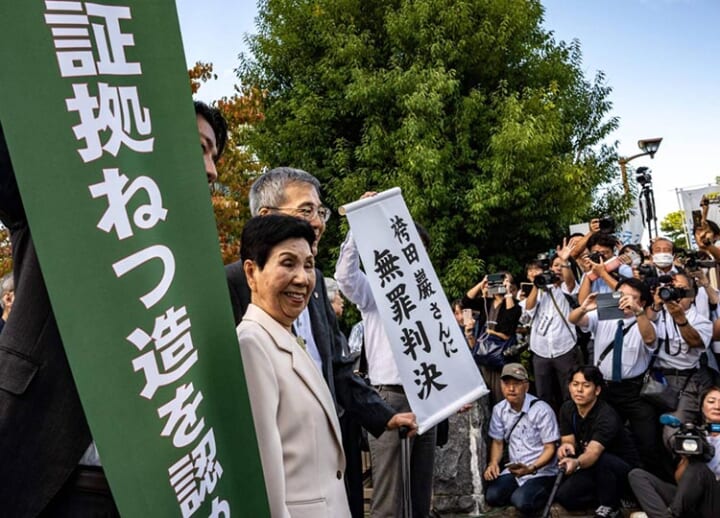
(6, 262)
(484, 120)
(673, 226)
(238, 167)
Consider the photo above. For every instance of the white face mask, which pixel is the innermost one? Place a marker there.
(662, 260)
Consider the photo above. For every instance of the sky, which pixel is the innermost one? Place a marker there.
(661, 58)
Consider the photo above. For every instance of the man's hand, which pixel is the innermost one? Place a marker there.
(492, 471)
(569, 464)
(403, 419)
(565, 450)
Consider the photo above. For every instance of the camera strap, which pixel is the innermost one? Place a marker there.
(552, 297)
(609, 347)
(522, 414)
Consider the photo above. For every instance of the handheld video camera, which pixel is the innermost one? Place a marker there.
(690, 439)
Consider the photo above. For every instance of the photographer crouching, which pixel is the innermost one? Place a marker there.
(697, 493)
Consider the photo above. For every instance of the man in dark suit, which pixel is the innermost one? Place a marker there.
(296, 192)
(48, 463)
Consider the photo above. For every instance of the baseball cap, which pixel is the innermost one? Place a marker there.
(514, 370)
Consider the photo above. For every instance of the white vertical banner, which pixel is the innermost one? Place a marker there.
(436, 367)
(631, 231)
(690, 201)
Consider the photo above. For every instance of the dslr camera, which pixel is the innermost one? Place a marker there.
(547, 277)
(690, 439)
(669, 292)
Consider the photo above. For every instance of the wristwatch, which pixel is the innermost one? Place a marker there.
(533, 468)
(639, 312)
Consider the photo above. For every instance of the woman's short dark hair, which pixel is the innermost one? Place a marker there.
(262, 233)
(590, 373)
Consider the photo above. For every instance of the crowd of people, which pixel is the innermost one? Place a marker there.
(599, 321)
(617, 337)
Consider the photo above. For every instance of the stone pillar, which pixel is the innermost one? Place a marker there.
(459, 464)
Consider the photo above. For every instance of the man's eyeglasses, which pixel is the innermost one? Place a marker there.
(307, 213)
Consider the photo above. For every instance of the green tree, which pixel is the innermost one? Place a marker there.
(673, 226)
(472, 108)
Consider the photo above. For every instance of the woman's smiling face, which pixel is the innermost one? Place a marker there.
(283, 287)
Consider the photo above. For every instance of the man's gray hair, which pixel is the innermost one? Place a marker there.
(269, 189)
(6, 284)
(332, 288)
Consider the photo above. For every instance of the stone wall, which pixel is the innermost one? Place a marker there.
(459, 464)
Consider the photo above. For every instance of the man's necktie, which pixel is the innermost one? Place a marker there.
(617, 352)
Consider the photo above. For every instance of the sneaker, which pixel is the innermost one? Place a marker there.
(639, 514)
(605, 511)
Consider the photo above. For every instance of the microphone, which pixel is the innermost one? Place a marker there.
(670, 420)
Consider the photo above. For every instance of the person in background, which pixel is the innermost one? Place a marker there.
(498, 314)
(335, 297)
(7, 297)
(697, 489)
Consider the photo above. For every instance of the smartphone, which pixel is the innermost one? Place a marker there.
(607, 306)
(526, 288)
(467, 316)
(514, 465)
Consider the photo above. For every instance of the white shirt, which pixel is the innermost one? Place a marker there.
(537, 427)
(382, 369)
(551, 335)
(635, 353)
(674, 352)
(303, 328)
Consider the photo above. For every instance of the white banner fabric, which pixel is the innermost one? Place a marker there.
(436, 367)
(690, 202)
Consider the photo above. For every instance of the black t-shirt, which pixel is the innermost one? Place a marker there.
(601, 424)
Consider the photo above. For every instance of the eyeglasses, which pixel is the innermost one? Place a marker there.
(307, 213)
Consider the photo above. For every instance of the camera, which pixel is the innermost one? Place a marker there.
(648, 275)
(690, 439)
(643, 176)
(607, 225)
(545, 279)
(495, 284)
(596, 257)
(670, 292)
(693, 260)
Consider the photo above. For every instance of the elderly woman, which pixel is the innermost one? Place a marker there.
(295, 420)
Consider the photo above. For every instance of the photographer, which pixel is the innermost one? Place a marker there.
(623, 348)
(697, 493)
(599, 265)
(664, 259)
(683, 335)
(497, 315)
(552, 338)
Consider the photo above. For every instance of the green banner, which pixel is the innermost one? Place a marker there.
(95, 103)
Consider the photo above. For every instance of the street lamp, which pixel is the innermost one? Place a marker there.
(648, 146)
